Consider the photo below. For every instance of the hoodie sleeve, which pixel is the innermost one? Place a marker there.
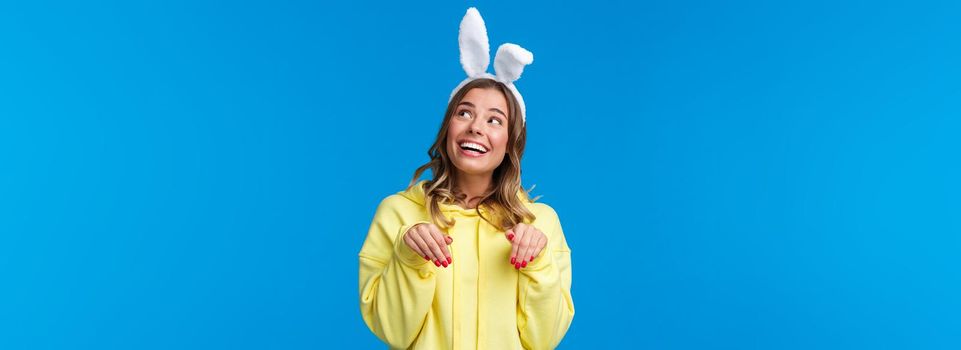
(396, 284)
(545, 308)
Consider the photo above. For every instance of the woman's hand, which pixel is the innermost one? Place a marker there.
(428, 241)
(527, 242)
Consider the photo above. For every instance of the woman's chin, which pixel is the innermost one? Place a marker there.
(471, 169)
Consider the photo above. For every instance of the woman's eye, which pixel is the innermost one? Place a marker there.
(496, 121)
(464, 114)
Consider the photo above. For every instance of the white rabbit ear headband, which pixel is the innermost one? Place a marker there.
(509, 61)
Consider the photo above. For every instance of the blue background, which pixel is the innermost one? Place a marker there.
(729, 174)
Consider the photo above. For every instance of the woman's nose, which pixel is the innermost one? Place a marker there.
(474, 127)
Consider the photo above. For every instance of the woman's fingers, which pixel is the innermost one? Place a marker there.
(513, 237)
(527, 242)
(425, 246)
(441, 244)
(519, 232)
(524, 248)
(414, 242)
(413, 245)
(538, 247)
(428, 241)
(435, 252)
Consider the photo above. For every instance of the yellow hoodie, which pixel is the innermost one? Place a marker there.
(480, 301)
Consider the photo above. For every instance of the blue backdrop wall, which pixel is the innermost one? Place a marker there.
(729, 174)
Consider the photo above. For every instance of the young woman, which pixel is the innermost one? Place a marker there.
(466, 260)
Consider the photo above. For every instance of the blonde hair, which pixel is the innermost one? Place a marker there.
(502, 200)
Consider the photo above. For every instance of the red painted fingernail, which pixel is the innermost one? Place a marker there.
(524, 264)
(513, 260)
(448, 260)
(426, 257)
(510, 237)
(443, 263)
(437, 262)
(532, 258)
(517, 265)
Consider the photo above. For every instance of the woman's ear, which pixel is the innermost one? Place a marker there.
(474, 46)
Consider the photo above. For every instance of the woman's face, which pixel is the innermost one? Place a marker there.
(478, 132)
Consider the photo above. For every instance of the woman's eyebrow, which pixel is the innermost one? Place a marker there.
(466, 103)
(499, 111)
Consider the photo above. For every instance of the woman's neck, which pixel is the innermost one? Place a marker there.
(474, 187)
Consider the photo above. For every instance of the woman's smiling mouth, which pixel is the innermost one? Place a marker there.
(472, 149)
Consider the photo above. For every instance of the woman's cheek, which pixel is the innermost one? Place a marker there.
(502, 142)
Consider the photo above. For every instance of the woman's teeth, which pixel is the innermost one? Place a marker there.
(470, 146)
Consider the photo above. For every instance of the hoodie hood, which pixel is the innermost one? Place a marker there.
(416, 194)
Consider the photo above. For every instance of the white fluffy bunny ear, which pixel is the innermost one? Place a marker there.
(510, 61)
(474, 47)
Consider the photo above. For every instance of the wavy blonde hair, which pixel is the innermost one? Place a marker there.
(502, 199)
